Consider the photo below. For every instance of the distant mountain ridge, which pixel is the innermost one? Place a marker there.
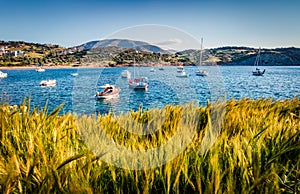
(228, 55)
(124, 43)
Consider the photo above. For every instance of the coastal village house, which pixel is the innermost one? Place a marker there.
(18, 53)
(2, 50)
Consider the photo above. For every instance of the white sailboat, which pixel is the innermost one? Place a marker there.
(201, 72)
(160, 65)
(138, 82)
(257, 71)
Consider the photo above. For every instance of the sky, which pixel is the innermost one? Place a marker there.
(170, 24)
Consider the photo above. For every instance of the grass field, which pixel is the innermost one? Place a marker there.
(245, 146)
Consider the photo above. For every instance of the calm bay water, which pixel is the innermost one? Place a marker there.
(77, 93)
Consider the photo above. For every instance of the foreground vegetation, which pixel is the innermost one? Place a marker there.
(256, 150)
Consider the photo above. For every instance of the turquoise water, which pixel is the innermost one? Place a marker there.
(77, 93)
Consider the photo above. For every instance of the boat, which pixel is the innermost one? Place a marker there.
(182, 74)
(257, 71)
(180, 68)
(125, 74)
(40, 69)
(74, 74)
(152, 69)
(48, 82)
(138, 82)
(160, 64)
(201, 72)
(3, 75)
(109, 91)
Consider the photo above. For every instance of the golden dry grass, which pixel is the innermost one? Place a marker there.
(255, 149)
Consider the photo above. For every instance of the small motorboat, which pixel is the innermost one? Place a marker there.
(39, 69)
(3, 75)
(109, 91)
(180, 69)
(182, 74)
(74, 74)
(125, 74)
(48, 82)
(152, 69)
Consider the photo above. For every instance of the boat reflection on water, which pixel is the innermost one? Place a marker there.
(105, 106)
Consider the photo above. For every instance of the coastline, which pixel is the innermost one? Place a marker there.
(89, 65)
(33, 67)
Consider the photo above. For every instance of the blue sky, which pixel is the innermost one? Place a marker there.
(68, 23)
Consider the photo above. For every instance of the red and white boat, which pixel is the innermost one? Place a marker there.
(109, 91)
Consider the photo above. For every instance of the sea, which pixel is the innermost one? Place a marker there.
(77, 94)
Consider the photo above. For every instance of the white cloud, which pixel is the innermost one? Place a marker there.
(169, 42)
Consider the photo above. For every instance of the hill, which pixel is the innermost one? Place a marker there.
(123, 43)
(117, 52)
(245, 56)
(19, 53)
(97, 53)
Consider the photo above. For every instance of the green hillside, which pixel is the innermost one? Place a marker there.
(18, 53)
(35, 53)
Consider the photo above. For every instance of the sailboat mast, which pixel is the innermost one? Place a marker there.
(257, 58)
(133, 66)
(201, 52)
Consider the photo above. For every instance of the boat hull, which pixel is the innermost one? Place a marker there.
(48, 83)
(113, 94)
(258, 72)
(201, 73)
(40, 70)
(138, 87)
